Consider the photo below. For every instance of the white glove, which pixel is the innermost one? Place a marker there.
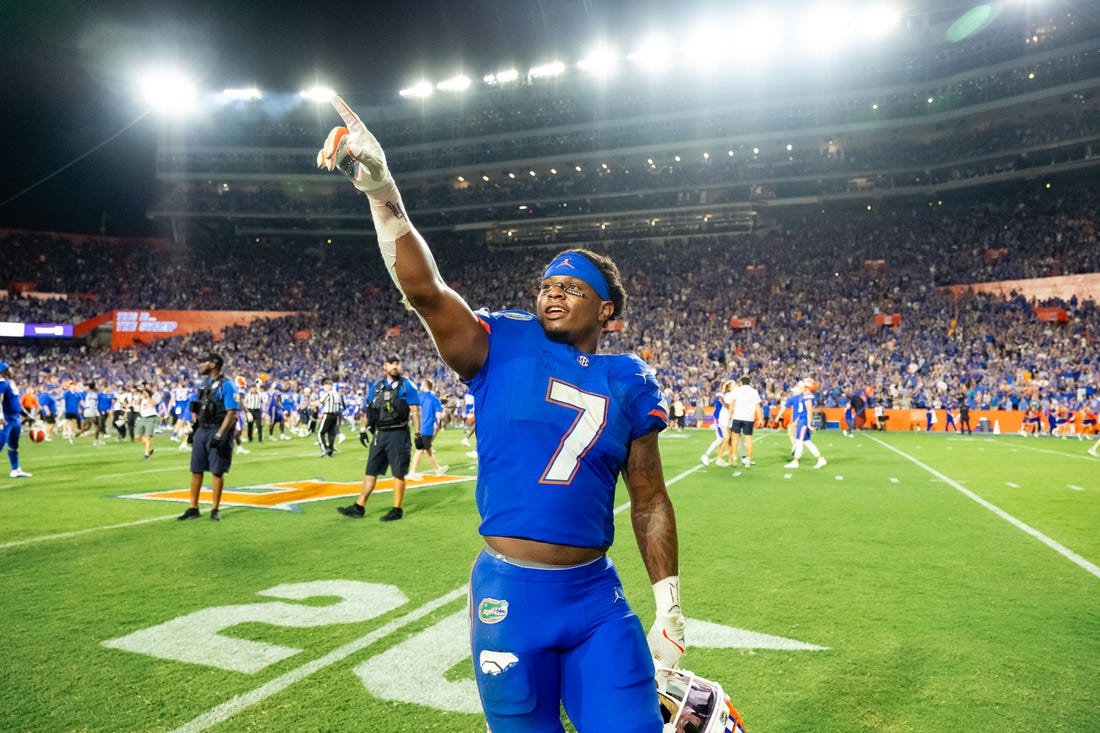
(666, 636)
(357, 154)
(355, 151)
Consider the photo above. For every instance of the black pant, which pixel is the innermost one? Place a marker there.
(258, 421)
(329, 426)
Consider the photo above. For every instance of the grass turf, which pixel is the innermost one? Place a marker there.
(950, 581)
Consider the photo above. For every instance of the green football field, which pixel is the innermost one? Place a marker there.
(916, 583)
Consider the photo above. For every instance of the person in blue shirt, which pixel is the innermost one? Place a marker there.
(47, 409)
(71, 398)
(393, 406)
(949, 419)
(104, 400)
(213, 439)
(431, 412)
(11, 411)
(275, 414)
(557, 425)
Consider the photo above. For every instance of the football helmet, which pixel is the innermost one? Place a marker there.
(691, 704)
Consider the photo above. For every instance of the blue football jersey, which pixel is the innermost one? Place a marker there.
(553, 427)
(9, 401)
(807, 408)
(430, 407)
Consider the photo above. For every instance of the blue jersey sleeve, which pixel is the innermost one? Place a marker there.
(10, 401)
(229, 395)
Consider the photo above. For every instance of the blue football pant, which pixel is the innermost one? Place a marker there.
(544, 636)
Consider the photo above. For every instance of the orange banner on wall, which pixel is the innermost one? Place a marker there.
(1041, 288)
(140, 327)
(1052, 314)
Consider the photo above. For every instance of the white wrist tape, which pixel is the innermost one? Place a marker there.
(666, 594)
(388, 211)
(390, 222)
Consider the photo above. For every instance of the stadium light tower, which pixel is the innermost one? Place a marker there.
(543, 71)
(458, 83)
(419, 90)
(602, 61)
(246, 94)
(653, 54)
(501, 77)
(317, 94)
(168, 92)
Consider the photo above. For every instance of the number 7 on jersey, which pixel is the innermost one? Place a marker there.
(581, 435)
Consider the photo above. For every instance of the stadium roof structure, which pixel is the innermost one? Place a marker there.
(546, 163)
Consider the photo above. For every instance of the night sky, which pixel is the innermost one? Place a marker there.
(67, 85)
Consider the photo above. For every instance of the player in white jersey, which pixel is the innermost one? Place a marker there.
(721, 426)
(745, 415)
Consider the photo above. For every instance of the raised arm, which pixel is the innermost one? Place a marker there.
(461, 341)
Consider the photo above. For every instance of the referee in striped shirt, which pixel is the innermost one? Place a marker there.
(332, 406)
(254, 403)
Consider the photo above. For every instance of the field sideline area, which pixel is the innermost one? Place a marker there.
(917, 582)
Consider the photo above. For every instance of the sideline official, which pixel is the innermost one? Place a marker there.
(332, 410)
(254, 406)
(392, 405)
(215, 423)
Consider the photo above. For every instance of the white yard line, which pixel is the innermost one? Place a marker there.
(236, 704)
(77, 533)
(1056, 546)
(1034, 447)
(231, 707)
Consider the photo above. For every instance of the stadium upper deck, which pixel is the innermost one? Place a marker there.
(552, 163)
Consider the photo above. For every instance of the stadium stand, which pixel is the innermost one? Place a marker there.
(973, 168)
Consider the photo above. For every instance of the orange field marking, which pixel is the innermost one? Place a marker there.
(287, 495)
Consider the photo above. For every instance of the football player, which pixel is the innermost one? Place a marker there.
(550, 624)
(10, 426)
(803, 408)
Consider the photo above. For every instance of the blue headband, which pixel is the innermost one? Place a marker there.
(578, 266)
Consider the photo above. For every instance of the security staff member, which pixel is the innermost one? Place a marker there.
(393, 405)
(215, 423)
(332, 407)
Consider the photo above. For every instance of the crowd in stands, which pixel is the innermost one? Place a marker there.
(806, 280)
